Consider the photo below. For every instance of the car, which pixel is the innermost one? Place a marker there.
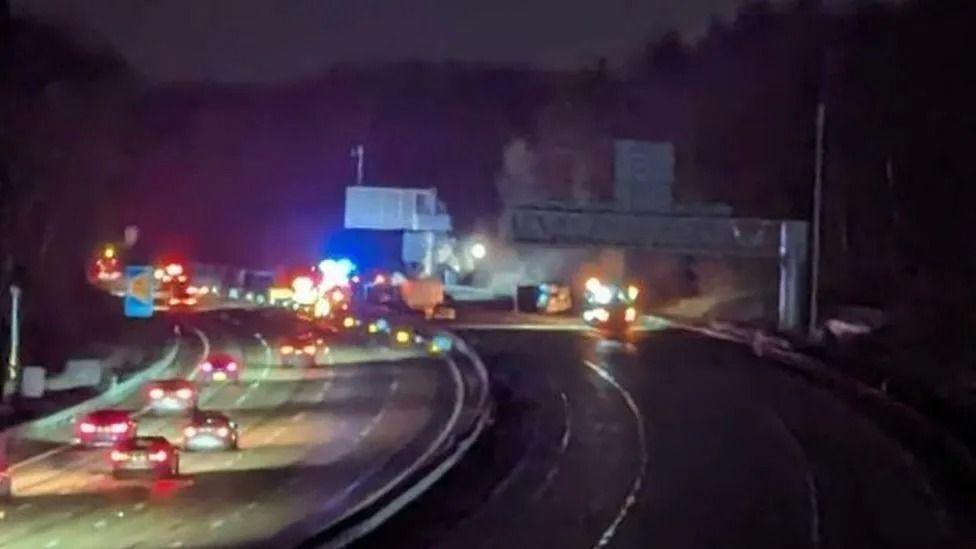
(171, 395)
(105, 428)
(154, 457)
(210, 430)
(302, 351)
(220, 367)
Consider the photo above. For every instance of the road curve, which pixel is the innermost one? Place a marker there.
(314, 442)
(675, 441)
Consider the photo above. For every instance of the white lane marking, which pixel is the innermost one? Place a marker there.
(563, 445)
(425, 457)
(52, 543)
(24, 506)
(139, 506)
(808, 479)
(216, 524)
(635, 488)
(252, 505)
(298, 417)
(176, 544)
(100, 524)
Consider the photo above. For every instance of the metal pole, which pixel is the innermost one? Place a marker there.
(359, 152)
(13, 361)
(817, 214)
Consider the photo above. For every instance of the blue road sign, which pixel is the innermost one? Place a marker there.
(138, 299)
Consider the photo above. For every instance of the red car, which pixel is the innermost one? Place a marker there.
(171, 395)
(145, 456)
(105, 428)
(220, 367)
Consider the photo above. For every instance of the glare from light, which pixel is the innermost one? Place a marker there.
(402, 336)
(109, 252)
(223, 432)
(87, 428)
(479, 250)
(632, 292)
(231, 366)
(630, 314)
(348, 322)
(592, 284)
(599, 314)
(336, 272)
(309, 349)
(119, 456)
(156, 393)
(602, 295)
(206, 366)
(303, 289)
(159, 455)
(174, 269)
(287, 349)
(185, 393)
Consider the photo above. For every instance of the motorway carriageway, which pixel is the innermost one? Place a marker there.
(314, 443)
(675, 441)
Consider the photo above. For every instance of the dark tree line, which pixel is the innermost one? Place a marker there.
(62, 157)
(898, 85)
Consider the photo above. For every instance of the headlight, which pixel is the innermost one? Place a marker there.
(402, 336)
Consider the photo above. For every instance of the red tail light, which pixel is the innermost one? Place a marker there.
(185, 393)
(119, 456)
(190, 432)
(206, 366)
(156, 393)
(119, 428)
(87, 427)
(159, 455)
(231, 366)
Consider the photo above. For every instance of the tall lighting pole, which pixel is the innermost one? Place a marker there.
(817, 215)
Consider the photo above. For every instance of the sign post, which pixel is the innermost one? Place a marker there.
(138, 300)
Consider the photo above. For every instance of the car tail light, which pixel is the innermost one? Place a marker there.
(87, 427)
(206, 366)
(231, 366)
(223, 432)
(287, 349)
(174, 301)
(310, 349)
(348, 322)
(156, 393)
(119, 456)
(185, 393)
(120, 427)
(190, 432)
(159, 455)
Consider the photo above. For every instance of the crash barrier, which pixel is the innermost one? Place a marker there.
(944, 456)
(474, 414)
(112, 396)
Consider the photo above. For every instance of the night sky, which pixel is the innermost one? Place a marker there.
(266, 41)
